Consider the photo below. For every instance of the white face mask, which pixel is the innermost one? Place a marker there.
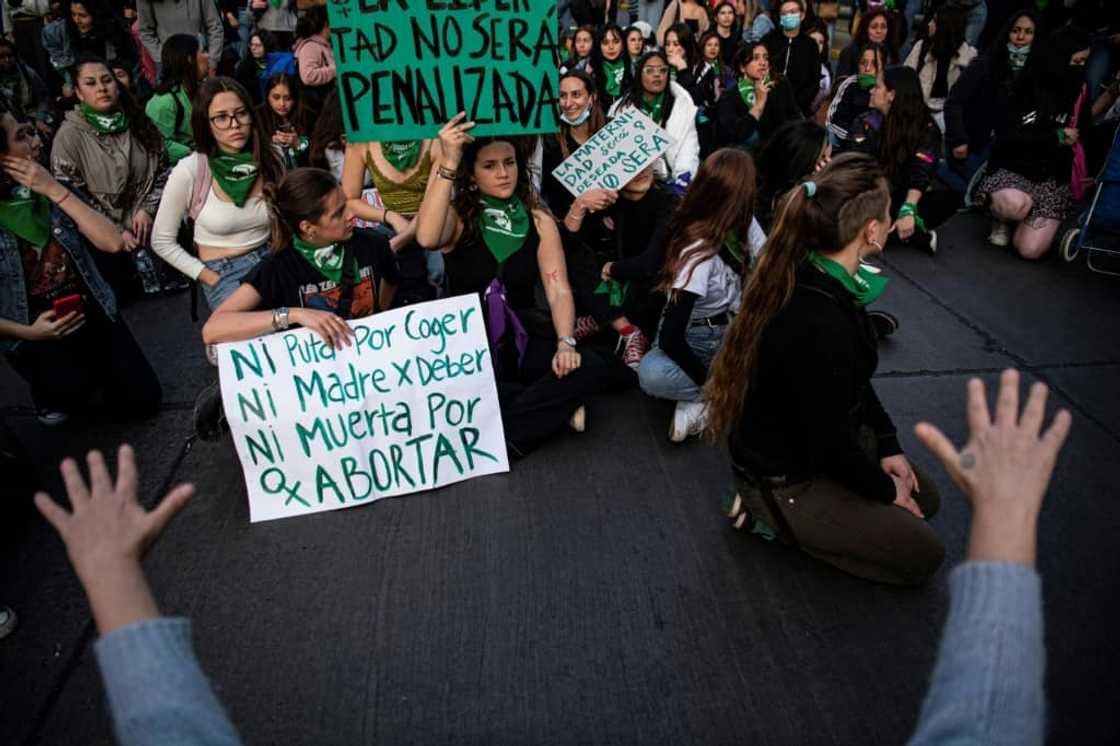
(580, 119)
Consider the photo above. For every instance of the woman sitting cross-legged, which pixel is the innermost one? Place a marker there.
(59, 323)
(815, 455)
(712, 240)
(321, 271)
(498, 243)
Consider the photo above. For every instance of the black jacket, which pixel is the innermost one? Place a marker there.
(920, 167)
(736, 125)
(811, 393)
(1027, 139)
(799, 60)
(976, 103)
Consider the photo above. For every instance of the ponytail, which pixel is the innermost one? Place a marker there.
(299, 196)
(824, 215)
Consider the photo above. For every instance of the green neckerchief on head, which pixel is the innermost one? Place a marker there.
(864, 287)
(403, 154)
(867, 81)
(235, 173)
(653, 106)
(105, 124)
(613, 72)
(28, 215)
(504, 225)
(326, 259)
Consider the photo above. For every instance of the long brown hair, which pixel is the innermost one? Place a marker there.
(268, 164)
(300, 195)
(595, 119)
(719, 200)
(850, 191)
(467, 202)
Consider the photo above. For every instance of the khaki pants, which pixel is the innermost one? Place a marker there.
(860, 536)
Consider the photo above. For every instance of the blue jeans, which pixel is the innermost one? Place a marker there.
(650, 11)
(957, 173)
(231, 270)
(662, 378)
(975, 21)
(245, 23)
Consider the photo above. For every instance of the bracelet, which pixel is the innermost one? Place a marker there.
(64, 198)
(447, 173)
(910, 210)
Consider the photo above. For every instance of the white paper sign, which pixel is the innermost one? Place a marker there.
(613, 155)
(411, 405)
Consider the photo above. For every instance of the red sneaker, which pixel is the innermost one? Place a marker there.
(634, 347)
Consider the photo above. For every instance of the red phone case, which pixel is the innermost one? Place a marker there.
(67, 304)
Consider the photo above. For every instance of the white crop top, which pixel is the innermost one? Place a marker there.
(220, 224)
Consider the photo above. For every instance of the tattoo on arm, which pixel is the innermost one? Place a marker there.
(553, 276)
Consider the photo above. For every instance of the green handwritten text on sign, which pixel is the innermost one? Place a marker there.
(411, 405)
(405, 67)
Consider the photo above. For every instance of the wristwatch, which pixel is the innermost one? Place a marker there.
(280, 319)
(570, 341)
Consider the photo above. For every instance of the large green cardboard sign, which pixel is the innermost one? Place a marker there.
(405, 67)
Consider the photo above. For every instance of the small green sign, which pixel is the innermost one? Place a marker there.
(405, 67)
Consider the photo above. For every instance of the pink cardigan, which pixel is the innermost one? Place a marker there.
(316, 61)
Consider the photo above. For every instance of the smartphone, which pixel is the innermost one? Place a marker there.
(68, 304)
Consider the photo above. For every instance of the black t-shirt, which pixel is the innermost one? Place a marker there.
(287, 279)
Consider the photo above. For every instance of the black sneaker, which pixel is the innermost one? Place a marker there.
(885, 324)
(209, 416)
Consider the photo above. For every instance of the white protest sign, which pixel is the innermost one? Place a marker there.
(610, 158)
(410, 406)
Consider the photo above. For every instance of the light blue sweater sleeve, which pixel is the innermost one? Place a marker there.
(987, 683)
(157, 692)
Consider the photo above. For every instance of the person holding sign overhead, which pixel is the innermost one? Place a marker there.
(670, 106)
(498, 243)
(321, 271)
(758, 104)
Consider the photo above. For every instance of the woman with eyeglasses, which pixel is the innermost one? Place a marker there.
(220, 187)
(669, 105)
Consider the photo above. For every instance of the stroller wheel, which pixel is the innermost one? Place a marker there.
(1070, 249)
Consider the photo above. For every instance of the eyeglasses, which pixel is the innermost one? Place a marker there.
(658, 70)
(224, 121)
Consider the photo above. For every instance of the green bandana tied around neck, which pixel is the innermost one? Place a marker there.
(28, 215)
(746, 92)
(402, 155)
(864, 287)
(653, 108)
(613, 73)
(326, 259)
(504, 224)
(105, 124)
(867, 81)
(235, 173)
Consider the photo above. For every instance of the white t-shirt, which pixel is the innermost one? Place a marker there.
(717, 284)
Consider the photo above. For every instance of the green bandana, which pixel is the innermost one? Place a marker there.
(734, 245)
(615, 290)
(504, 225)
(653, 108)
(235, 173)
(28, 215)
(746, 92)
(105, 124)
(613, 73)
(326, 259)
(402, 155)
(865, 286)
(867, 81)
(261, 63)
(277, 3)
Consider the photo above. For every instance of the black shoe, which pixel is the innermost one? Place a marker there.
(209, 416)
(885, 324)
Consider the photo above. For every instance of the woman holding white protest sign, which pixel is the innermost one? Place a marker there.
(671, 107)
(498, 243)
(321, 271)
(221, 189)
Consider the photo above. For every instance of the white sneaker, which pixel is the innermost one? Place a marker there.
(688, 420)
(1000, 234)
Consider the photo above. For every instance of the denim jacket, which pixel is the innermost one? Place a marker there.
(14, 304)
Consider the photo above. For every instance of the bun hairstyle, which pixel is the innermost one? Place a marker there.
(299, 196)
(825, 218)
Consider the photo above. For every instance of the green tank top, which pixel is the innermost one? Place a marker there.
(404, 197)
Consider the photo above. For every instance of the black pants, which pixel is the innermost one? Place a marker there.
(935, 207)
(536, 404)
(102, 356)
(641, 307)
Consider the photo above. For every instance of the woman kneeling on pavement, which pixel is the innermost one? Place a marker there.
(713, 239)
(815, 455)
(221, 187)
(497, 242)
(59, 324)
